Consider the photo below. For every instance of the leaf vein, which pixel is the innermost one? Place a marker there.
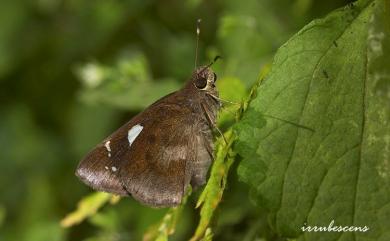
(361, 142)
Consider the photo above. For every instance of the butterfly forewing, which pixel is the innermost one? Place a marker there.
(152, 157)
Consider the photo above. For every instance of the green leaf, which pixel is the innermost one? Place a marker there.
(87, 207)
(332, 77)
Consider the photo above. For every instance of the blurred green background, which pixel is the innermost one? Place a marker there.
(71, 72)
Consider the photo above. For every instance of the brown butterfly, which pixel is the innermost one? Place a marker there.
(161, 151)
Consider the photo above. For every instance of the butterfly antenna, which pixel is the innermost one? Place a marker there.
(212, 62)
(290, 122)
(215, 60)
(197, 41)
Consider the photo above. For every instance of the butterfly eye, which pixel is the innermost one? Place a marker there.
(201, 83)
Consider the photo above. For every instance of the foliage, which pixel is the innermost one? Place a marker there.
(309, 138)
(87, 207)
(334, 76)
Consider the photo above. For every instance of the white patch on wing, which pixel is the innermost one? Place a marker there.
(133, 133)
(107, 145)
(114, 169)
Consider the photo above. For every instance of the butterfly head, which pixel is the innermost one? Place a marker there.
(204, 78)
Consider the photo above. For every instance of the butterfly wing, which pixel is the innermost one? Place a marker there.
(153, 157)
(159, 174)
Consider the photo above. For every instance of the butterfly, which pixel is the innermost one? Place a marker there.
(161, 151)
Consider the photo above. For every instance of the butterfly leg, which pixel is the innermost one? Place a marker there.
(212, 123)
(222, 100)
